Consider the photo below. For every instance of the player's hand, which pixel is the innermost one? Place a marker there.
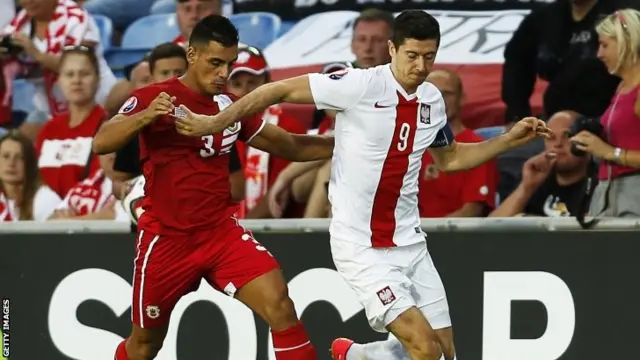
(592, 144)
(279, 197)
(526, 130)
(62, 214)
(161, 105)
(191, 124)
(536, 170)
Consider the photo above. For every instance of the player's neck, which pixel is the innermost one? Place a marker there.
(408, 87)
(79, 112)
(189, 82)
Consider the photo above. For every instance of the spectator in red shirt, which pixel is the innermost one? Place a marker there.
(260, 168)
(189, 12)
(64, 143)
(469, 193)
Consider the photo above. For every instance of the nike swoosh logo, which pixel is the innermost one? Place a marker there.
(378, 106)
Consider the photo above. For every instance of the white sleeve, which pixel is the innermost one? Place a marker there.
(340, 90)
(44, 203)
(444, 135)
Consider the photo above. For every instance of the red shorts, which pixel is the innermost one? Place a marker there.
(167, 267)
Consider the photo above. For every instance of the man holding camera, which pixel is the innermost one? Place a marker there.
(553, 182)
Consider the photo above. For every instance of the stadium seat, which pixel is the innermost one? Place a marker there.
(286, 26)
(149, 31)
(23, 92)
(139, 38)
(163, 7)
(490, 132)
(257, 29)
(105, 26)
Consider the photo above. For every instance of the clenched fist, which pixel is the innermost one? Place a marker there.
(161, 105)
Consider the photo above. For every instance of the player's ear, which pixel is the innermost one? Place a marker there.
(392, 48)
(191, 55)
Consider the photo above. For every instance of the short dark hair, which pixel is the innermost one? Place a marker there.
(415, 24)
(214, 28)
(369, 15)
(165, 51)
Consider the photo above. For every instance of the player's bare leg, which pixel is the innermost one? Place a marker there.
(143, 344)
(393, 349)
(268, 296)
(415, 333)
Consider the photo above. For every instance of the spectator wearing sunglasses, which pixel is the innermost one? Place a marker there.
(260, 168)
(40, 32)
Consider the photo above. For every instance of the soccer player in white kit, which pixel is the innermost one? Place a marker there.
(387, 117)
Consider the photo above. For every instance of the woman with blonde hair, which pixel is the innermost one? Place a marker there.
(618, 192)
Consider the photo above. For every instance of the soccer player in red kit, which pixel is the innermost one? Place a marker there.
(188, 231)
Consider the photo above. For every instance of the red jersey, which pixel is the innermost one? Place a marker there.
(261, 169)
(187, 178)
(64, 152)
(179, 40)
(442, 193)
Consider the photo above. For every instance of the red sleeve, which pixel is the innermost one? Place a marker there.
(250, 127)
(291, 124)
(480, 185)
(136, 102)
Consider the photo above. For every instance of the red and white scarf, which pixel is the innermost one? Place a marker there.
(256, 170)
(68, 27)
(8, 212)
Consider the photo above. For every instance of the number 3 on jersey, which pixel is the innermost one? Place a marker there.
(208, 147)
(403, 136)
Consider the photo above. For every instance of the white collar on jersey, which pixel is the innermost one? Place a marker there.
(401, 90)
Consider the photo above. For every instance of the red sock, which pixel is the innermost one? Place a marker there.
(121, 351)
(293, 344)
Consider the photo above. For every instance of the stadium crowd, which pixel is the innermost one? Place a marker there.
(587, 51)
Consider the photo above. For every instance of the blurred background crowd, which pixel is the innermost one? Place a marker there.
(67, 66)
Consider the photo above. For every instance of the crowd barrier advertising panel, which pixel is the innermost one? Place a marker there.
(570, 295)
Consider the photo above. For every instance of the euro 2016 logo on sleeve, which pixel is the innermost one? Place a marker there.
(425, 113)
(338, 74)
(128, 105)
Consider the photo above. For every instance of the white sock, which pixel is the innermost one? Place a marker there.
(390, 349)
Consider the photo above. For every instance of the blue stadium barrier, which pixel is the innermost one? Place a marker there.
(140, 37)
(149, 31)
(490, 132)
(163, 7)
(257, 29)
(23, 93)
(286, 26)
(105, 26)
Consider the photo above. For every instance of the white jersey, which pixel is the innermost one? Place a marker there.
(381, 134)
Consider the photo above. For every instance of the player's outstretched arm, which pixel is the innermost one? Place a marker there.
(456, 156)
(120, 130)
(295, 90)
(293, 147)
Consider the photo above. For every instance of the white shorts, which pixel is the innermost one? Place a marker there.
(389, 281)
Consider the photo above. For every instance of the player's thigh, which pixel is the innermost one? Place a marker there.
(416, 334)
(243, 268)
(428, 288)
(431, 297)
(164, 271)
(378, 281)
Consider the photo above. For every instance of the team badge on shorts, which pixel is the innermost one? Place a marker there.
(128, 105)
(425, 113)
(153, 312)
(386, 296)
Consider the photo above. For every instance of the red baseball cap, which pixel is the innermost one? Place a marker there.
(250, 60)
